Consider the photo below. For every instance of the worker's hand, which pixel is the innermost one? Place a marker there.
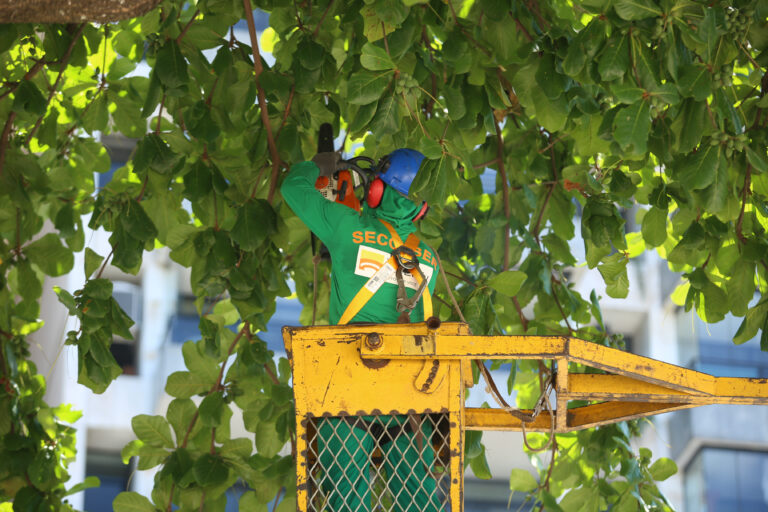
(327, 162)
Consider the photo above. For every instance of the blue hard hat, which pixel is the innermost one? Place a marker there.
(399, 169)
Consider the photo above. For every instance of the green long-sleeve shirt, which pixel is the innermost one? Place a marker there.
(359, 244)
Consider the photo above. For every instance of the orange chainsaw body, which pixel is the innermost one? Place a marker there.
(339, 190)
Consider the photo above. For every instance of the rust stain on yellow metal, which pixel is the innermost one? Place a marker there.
(412, 369)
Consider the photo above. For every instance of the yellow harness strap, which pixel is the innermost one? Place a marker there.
(382, 275)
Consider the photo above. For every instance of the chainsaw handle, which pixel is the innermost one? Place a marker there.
(364, 173)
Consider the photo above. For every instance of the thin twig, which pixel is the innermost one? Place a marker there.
(322, 18)
(258, 69)
(186, 27)
(744, 193)
(554, 283)
(27, 76)
(64, 63)
(160, 114)
(448, 288)
(4, 139)
(523, 319)
(522, 28)
(106, 260)
(504, 190)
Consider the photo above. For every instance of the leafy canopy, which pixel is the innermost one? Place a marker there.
(657, 108)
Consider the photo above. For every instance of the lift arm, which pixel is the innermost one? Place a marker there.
(634, 386)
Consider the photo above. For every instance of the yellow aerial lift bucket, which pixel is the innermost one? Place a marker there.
(380, 414)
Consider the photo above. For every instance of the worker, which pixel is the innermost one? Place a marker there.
(360, 245)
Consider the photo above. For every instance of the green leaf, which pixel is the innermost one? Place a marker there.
(695, 82)
(614, 61)
(92, 261)
(366, 87)
(204, 367)
(171, 67)
(132, 502)
(753, 321)
(210, 470)
(741, 287)
(637, 9)
(89, 483)
(137, 223)
(152, 430)
(28, 99)
(153, 153)
(268, 442)
(386, 121)
(699, 169)
(583, 498)
(614, 272)
(199, 122)
(508, 282)
(757, 159)
(198, 182)
(50, 255)
(521, 480)
(211, 409)
(480, 466)
(654, 226)
(375, 58)
(184, 385)
(256, 222)
(250, 501)
(632, 126)
(179, 414)
(662, 469)
(362, 117)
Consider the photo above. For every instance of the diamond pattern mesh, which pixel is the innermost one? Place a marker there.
(398, 463)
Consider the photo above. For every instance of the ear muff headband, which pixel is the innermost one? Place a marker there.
(422, 211)
(375, 192)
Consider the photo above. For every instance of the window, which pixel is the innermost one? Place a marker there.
(125, 351)
(721, 480)
(109, 468)
(119, 149)
(184, 324)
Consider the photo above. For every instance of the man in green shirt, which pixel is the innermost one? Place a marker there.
(359, 245)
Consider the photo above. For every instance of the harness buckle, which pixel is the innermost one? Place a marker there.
(406, 257)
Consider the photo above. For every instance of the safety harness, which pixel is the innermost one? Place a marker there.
(402, 258)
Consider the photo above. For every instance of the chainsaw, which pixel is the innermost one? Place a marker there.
(342, 185)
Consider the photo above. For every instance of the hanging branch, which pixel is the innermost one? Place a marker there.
(12, 86)
(322, 18)
(744, 194)
(64, 63)
(504, 191)
(4, 138)
(258, 69)
(186, 27)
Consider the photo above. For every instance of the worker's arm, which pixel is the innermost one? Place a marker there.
(321, 216)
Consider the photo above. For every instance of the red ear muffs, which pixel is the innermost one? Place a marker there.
(375, 192)
(422, 211)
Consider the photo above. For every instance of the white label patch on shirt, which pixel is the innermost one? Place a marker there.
(370, 260)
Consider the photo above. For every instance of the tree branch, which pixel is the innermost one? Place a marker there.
(258, 69)
(505, 190)
(186, 27)
(4, 138)
(27, 76)
(64, 63)
(322, 18)
(744, 194)
(160, 114)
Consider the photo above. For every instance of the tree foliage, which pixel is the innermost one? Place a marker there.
(598, 107)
